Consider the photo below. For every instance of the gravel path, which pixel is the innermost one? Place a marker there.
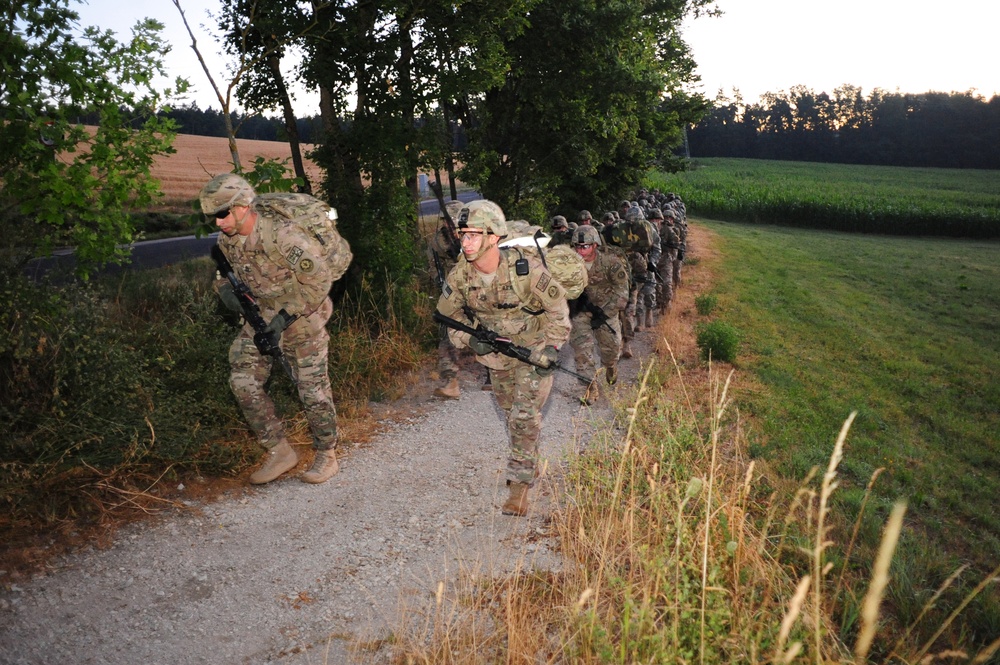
(295, 573)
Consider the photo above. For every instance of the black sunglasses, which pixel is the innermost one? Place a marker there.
(222, 214)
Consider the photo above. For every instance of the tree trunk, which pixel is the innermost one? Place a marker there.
(291, 126)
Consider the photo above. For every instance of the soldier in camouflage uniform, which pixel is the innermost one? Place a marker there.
(642, 299)
(529, 309)
(560, 232)
(595, 315)
(444, 256)
(668, 252)
(288, 270)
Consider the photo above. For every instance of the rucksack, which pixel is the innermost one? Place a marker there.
(317, 219)
(632, 236)
(564, 264)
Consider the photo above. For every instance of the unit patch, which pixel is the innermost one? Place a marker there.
(306, 265)
(294, 255)
(543, 281)
(553, 291)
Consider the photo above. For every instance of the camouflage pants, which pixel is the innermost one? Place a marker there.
(678, 264)
(447, 364)
(306, 345)
(521, 393)
(642, 296)
(582, 338)
(665, 269)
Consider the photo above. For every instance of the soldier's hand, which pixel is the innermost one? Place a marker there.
(228, 298)
(547, 360)
(278, 323)
(480, 347)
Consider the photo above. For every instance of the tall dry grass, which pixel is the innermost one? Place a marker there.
(674, 551)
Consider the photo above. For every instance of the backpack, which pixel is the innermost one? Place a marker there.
(564, 264)
(634, 236)
(316, 218)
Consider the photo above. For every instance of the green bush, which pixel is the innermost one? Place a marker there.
(718, 341)
(705, 304)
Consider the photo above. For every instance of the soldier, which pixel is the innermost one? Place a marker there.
(514, 295)
(682, 233)
(560, 232)
(290, 273)
(668, 251)
(445, 248)
(595, 314)
(642, 299)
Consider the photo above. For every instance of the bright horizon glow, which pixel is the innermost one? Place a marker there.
(761, 46)
(757, 46)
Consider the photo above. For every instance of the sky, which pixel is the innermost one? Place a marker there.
(757, 46)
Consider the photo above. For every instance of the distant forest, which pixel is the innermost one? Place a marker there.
(934, 129)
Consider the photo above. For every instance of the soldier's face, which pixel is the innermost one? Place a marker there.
(226, 223)
(587, 251)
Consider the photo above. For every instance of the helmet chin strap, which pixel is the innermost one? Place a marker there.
(241, 222)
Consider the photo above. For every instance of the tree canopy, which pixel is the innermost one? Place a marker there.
(62, 184)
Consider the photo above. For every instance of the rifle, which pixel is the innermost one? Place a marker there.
(503, 345)
(598, 317)
(454, 244)
(266, 342)
(439, 267)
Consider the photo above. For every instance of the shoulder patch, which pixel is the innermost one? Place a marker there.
(543, 281)
(306, 265)
(294, 255)
(553, 291)
(446, 289)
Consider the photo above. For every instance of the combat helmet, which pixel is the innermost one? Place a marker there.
(485, 216)
(634, 214)
(559, 223)
(586, 235)
(224, 191)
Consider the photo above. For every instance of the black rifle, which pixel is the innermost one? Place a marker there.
(454, 244)
(597, 316)
(266, 342)
(503, 345)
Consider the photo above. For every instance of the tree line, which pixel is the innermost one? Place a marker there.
(931, 129)
(564, 104)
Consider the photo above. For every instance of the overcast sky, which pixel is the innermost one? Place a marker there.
(757, 46)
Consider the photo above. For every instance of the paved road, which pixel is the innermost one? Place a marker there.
(155, 253)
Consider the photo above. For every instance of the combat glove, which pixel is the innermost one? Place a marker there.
(480, 347)
(228, 298)
(547, 361)
(278, 323)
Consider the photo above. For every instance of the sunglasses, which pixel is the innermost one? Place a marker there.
(586, 245)
(222, 214)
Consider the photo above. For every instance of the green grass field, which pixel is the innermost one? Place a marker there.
(843, 197)
(905, 332)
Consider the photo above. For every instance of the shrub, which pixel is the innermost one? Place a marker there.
(705, 304)
(718, 341)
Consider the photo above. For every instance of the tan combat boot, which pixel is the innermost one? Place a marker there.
(280, 458)
(517, 502)
(612, 375)
(449, 390)
(591, 394)
(324, 467)
(626, 349)
(649, 319)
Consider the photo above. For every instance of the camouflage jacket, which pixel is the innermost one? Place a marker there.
(608, 283)
(538, 321)
(292, 275)
(669, 237)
